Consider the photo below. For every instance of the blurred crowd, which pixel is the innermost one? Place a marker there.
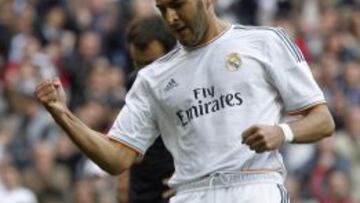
(83, 43)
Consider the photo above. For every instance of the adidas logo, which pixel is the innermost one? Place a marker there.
(171, 84)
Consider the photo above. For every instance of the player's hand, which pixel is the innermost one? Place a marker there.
(51, 94)
(170, 192)
(262, 138)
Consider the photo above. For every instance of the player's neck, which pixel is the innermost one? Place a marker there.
(216, 29)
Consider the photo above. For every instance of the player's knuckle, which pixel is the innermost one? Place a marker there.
(261, 131)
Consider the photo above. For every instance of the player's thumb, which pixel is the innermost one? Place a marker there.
(59, 88)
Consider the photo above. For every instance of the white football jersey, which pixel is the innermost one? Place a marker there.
(200, 101)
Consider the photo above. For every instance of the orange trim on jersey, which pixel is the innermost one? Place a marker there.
(124, 144)
(306, 108)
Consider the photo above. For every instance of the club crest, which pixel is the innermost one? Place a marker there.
(233, 62)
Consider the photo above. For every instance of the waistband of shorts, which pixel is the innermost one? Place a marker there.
(228, 179)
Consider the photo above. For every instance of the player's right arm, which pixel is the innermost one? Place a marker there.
(112, 157)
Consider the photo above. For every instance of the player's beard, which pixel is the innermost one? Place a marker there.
(198, 26)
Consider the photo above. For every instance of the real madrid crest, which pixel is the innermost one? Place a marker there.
(233, 62)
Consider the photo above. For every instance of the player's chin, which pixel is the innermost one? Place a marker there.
(260, 150)
(185, 42)
(188, 42)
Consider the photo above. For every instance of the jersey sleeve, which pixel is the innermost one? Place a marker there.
(135, 125)
(290, 73)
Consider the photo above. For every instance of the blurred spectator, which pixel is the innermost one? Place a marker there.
(223, 7)
(105, 83)
(327, 161)
(348, 145)
(293, 186)
(24, 22)
(339, 188)
(79, 63)
(12, 189)
(68, 155)
(53, 26)
(245, 11)
(83, 192)
(47, 179)
(122, 188)
(33, 123)
(351, 82)
(6, 20)
(93, 113)
(143, 8)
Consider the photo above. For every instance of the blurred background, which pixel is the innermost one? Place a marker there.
(82, 42)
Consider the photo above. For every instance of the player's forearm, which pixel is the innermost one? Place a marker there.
(95, 145)
(315, 125)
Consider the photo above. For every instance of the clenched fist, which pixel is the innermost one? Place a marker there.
(51, 94)
(261, 138)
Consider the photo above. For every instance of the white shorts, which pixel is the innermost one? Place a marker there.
(248, 193)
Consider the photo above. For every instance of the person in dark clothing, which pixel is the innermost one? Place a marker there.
(148, 39)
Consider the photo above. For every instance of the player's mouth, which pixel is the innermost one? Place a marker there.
(181, 31)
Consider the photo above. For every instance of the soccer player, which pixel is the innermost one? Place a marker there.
(217, 100)
(148, 39)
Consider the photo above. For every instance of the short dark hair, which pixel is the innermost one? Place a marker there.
(144, 30)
